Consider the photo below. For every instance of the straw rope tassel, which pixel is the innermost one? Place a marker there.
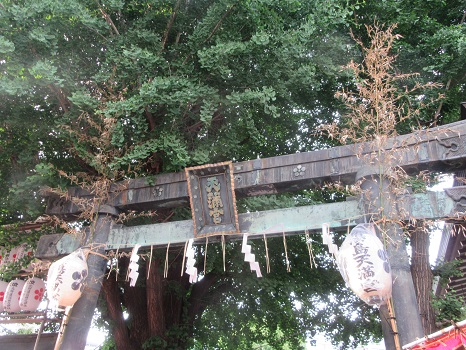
(165, 267)
(205, 253)
(223, 250)
(288, 269)
(117, 258)
(267, 260)
(309, 249)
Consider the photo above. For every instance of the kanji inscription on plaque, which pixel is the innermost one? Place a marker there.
(212, 198)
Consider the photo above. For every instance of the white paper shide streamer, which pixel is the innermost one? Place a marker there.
(190, 261)
(249, 257)
(134, 266)
(327, 239)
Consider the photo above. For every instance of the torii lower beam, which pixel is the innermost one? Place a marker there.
(429, 205)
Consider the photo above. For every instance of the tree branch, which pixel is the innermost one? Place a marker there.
(107, 18)
(216, 27)
(115, 312)
(170, 24)
(201, 294)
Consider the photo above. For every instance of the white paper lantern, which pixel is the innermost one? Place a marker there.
(65, 279)
(32, 294)
(3, 287)
(364, 265)
(12, 296)
(3, 255)
(15, 254)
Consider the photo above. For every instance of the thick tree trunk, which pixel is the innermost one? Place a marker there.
(155, 302)
(155, 305)
(119, 329)
(422, 276)
(135, 302)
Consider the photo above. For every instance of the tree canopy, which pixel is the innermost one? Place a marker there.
(120, 89)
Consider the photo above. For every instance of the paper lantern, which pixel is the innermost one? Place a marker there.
(364, 265)
(32, 294)
(3, 287)
(3, 255)
(15, 254)
(65, 279)
(12, 296)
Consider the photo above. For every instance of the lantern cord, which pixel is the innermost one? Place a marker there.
(391, 312)
(205, 253)
(165, 268)
(223, 250)
(267, 260)
(288, 269)
(309, 249)
(184, 257)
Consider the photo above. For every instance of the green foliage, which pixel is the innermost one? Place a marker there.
(433, 35)
(109, 344)
(154, 343)
(445, 270)
(281, 308)
(419, 183)
(449, 307)
(116, 88)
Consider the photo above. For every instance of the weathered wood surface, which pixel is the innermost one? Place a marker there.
(440, 149)
(429, 205)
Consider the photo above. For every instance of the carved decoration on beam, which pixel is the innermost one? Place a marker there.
(458, 195)
(212, 197)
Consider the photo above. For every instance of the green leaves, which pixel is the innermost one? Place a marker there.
(6, 46)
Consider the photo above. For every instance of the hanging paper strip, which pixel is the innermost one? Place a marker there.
(327, 238)
(133, 266)
(249, 257)
(190, 261)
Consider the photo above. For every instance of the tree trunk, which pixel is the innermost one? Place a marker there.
(422, 276)
(119, 329)
(155, 302)
(155, 306)
(135, 302)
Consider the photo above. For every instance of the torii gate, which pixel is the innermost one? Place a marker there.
(440, 149)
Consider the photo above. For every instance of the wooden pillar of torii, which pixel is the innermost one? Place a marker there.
(440, 149)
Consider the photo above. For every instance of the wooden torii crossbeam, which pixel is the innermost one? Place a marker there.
(440, 149)
(430, 206)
